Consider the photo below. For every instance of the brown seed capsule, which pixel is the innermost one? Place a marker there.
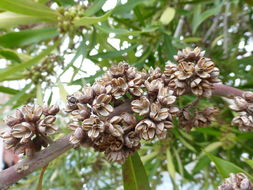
(244, 121)
(99, 88)
(248, 96)
(101, 105)
(132, 140)
(237, 181)
(204, 67)
(161, 129)
(23, 131)
(94, 126)
(165, 96)
(146, 128)
(118, 87)
(185, 70)
(114, 127)
(117, 70)
(141, 106)
(32, 113)
(154, 85)
(116, 156)
(52, 110)
(46, 125)
(158, 113)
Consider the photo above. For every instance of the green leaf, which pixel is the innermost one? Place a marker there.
(127, 7)
(211, 147)
(249, 162)
(19, 67)
(18, 95)
(28, 7)
(167, 15)
(170, 165)
(225, 167)
(112, 54)
(199, 17)
(26, 37)
(90, 79)
(39, 94)
(8, 90)
(9, 54)
(84, 21)
(9, 19)
(120, 31)
(134, 174)
(62, 91)
(97, 5)
(65, 2)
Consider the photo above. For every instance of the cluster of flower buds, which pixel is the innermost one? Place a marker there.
(199, 119)
(194, 73)
(27, 131)
(237, 181)
(243, 105)
(67, 17)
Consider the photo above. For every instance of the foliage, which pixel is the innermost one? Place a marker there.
(72, 35)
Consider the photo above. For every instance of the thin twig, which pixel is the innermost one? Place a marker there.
(212, 28)
(181, 21)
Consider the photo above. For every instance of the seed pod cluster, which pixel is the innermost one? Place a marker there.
(194, 73)
(27, 131)
(152, 110)
(237, 181)
(91, 112)
(243, 105)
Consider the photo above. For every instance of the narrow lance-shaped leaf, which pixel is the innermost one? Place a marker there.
(170, 164)
(39, 94)
(27, 37)
(9, 54)
(17, 68)
(225, 167)
(97, 5)
(8, 90)
(28, 7)
(9, 19)
(134, 174)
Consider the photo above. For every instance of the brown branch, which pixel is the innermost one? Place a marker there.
(226, 91)
(41, 159)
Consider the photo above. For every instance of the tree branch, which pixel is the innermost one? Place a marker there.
(41, 159)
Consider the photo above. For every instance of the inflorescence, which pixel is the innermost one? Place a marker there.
(150, 107)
